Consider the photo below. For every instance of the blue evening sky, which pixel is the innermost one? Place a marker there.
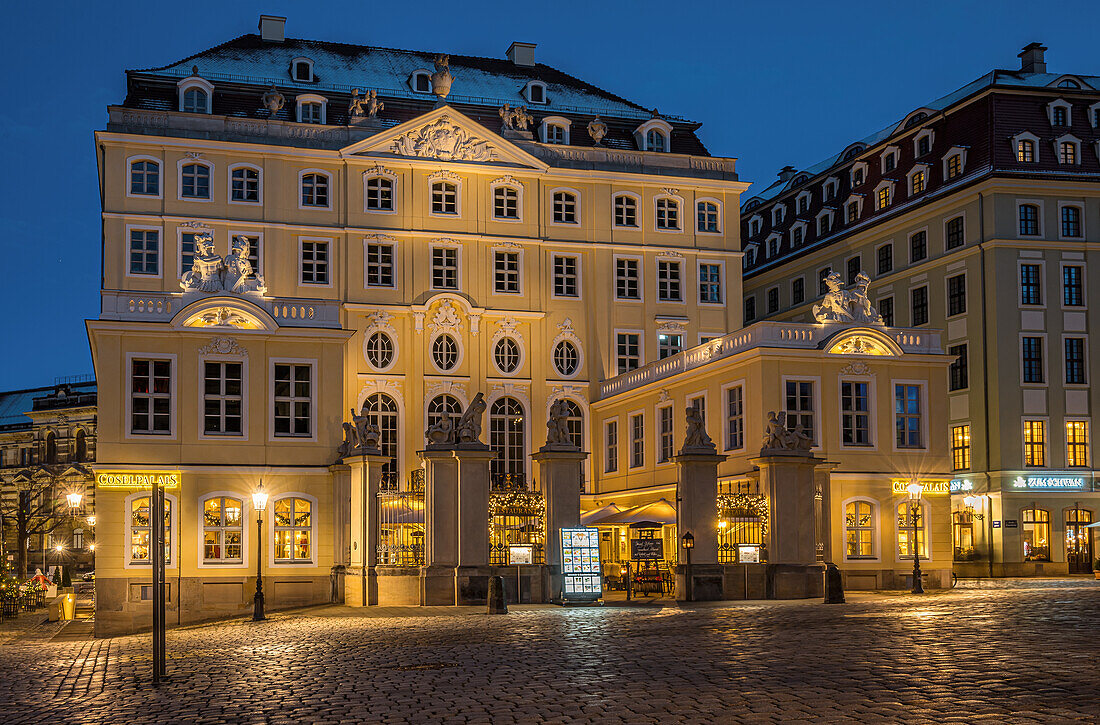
(773, 83)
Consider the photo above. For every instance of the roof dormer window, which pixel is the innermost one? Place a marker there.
(889, 159)
(653, 135)
(803, 201)
(555, 129)
(655, 140)
(421, 81)
(1069, 83)
(859, 173)
(1058, 112)
(312, 109)
(922, 142)
(301, 70)
(535, 92)
(778, 212)
(196, 95)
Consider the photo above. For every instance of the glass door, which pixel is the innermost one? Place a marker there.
(1078, 544)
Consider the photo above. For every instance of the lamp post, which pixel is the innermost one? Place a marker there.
(688, 542)
(914, 490)
(259, 500)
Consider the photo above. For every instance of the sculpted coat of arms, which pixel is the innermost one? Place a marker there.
(443, 140)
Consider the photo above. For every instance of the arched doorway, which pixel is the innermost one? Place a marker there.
(1078, 541)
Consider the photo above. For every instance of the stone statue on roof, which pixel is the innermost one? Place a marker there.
(273, 100)
(847, 305)
(356, 106)
(779, 437)
(515, 118)
(373, 104)
(206, 267)
(597, 129)
(240, 277)
(442, 78)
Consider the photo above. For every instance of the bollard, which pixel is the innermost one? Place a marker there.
(834, 587)
(496, 596)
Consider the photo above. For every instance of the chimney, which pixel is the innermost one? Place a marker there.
(787, 172)
(1031, 58)
(522, 53)
(272, 28)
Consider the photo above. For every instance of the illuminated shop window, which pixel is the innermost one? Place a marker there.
(293, 530)
(222, 530)
(859, 530)
(909, 513)
(1035, 525)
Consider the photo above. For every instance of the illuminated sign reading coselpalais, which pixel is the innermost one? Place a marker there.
(136, 479)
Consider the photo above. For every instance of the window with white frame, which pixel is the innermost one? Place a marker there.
(710, 283)
(855, 413)
(244, 185)
(293, 400)
(611, 446)
(668, 281)
(311, 110)
(800, 407)
(380, 194)
(445, 352)
(917, 182)
(1071, 221)
(889, 159)
(566, 276)
(141, 529)
(380, 265)
(314, 265)
(506, 355)
(1025, 150)
(145, 252)
(380, 350)
(381, 410)
(1069, 150)
(506, 272)
(824, 223)
(443, 405)
(315, 190)
(195, 96)
(151, 397)
(556, 133)
(627, 279)
(773, 300)
(421, 82)
(669, 343)
(293, 518)
(195, 181)
(564, 207)
(735, 418)
(507, 439)
(1035, 443)
(908, 416)
(144, 178)
(444, 268)
(637, 440)
(852, 210)
(707, 217)
(883, 195)
(859, 530)
(222, 398)
(302, 70)
(910, 517)
(567, 358)
(1029, 219)
(778, 214)
(536, 92)
(505, 202)
(222, 530)
(1031, 356)
(627, 352)
(859, 173)
(664, 434)
(656, 140)
(668, 214)
(1077, 443)
(444, 198)
(626, 211)
(186, 251)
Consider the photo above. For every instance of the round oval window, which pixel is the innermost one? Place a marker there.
(445, 352)
(566, 357)
(380, 350)
(506, 355)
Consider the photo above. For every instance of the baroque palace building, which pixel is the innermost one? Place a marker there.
(296, 231)
(976, 214)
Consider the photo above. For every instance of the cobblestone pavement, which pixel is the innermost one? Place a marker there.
(969, 655)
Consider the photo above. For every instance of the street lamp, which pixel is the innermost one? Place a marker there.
(914, 490)
(74, 500)
(91, 521)
(259, 500)
(688, 542)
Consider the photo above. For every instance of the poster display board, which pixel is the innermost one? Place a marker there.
(580, 565)
(521, 554)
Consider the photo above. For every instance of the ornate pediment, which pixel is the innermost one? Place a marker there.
(445, 140)
(446, 319)
(863, 342)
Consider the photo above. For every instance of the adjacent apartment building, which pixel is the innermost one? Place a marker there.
(977, 214)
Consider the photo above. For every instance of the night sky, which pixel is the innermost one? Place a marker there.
(773, 83)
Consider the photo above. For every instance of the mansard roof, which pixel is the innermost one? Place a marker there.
(15, 404)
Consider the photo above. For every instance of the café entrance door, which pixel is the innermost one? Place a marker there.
(1078, 542)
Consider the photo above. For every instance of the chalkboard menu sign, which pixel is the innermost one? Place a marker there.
(647, 549)
(580, 565)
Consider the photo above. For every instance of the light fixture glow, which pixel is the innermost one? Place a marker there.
(259, 497)
(914, 490)
(74, 499)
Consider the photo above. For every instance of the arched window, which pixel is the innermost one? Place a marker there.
(859, 530)
(195, 181)
(506, 439)
(445, 352)
(444, 198)
(911, 516)
(293, 530)
(195, 100)
(566, 358)
(379, 194)
(1067, 83)
(51, 447)
(655, 140)
(565, 207)
(145, 178)
(1035, 523)
(81, 445)
(536, 92)
(555, 133)
(380, 351)
(303, 70)
(1025, 150)
(315, 190)
(443, 404)
(141, 545)
(422, 82)
(506, 355)
(708, 217)
(1029, 219)
(381, 410)
(222, 530)
(668, 213)
(574, 423)
(244, 184)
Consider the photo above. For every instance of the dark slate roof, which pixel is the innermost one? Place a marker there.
(15, 403)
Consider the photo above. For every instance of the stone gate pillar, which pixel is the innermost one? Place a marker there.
(472, 567)
(361, 582)
(697, 513)
(561, 471)
(437, 575)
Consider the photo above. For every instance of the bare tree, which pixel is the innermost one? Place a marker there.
(33, 510)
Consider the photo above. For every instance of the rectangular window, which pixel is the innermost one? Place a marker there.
(151, 397)
(800, 407)
(626, 211)
(637, 441)
(823, 225)
(855, 413)
(1072, 291)
(566, 276)
(444, 268)
(1032, 356)
(627, 279)
(924, 145)
(959, 378)
(145, 251)
(956, 295)
(506, 202)
(919, 299)
(506, 272)
(1029, 220)
(917, 181)
(293, 399)
(955, 233)
(954, 166)
(627, 352)
(960, 447)
(223, 398)
(859, 529)
(668, 281)
(907, 415)
(145, 178)
(796, 236)
(380, 265)
(884, 197)
(710, 283)
(245, 185)
(855, 266)
(664, 451)
(1075, 360)
(886, 309)
(1035, 443)
(444, 198)
(735, 418)
(379, 194)
(1071, 221)
(315, 261)
(668, 214)
(611, 463)
(918, 247)
(1067, 152)
(1030, 286)
(565, 208)
(293, 530)
(886, 259)
(750, 309)
(669, 344)
(187, 252)
(822, 275)
(798, 291)
(853, 212)
(311, 113)
(1077, 443)
(195, 182)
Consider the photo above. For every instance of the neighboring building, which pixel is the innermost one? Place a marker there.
(977, 214)
(47, 445)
